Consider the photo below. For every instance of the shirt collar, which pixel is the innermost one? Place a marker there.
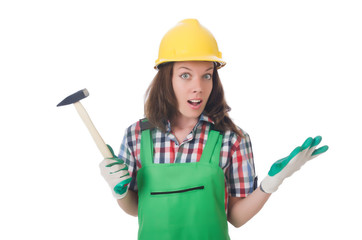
(205, 118)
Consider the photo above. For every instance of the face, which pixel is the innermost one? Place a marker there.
(192, 84)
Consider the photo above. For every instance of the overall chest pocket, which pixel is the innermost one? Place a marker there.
(178, 191)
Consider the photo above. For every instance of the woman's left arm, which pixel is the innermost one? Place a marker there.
(241, 210)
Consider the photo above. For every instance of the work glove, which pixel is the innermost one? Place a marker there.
(116, 174)
(285, 167)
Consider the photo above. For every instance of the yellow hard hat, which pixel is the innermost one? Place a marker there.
(189, 41)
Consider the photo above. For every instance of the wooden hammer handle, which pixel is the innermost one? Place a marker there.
(93, 131)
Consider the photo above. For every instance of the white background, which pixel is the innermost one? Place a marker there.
(292, 72)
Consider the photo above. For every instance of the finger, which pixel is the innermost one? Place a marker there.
(103, 164)
(121, 187)
(280, 164)
(315, 142)
(111, 150)
(319, 151)
(114, 161)
(117, 168)
(103, 167)
(307, 143)
(125, 179)
(304, 149)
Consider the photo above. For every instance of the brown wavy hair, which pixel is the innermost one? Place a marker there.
(161, 103)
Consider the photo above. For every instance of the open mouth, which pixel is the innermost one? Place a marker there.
(194, 103)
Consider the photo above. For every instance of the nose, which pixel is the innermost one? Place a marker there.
(197, 85)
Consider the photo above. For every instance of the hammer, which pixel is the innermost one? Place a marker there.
(75, 99)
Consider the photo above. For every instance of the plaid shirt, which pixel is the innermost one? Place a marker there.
(236, 156)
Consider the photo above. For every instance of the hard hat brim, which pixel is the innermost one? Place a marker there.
(219, 62)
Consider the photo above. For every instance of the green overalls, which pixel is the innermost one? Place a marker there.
(182, 201)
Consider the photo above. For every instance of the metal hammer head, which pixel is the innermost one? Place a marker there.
(75, 97)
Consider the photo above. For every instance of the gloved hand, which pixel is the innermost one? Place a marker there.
(116, 174)
(285, 167)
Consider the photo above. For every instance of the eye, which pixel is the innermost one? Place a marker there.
(208, 76)
(185, 75)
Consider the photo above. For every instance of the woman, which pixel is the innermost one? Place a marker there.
(192, 168)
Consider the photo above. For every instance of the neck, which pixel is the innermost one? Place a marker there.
(181, 122)
(182, 126)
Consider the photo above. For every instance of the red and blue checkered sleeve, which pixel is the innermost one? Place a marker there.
(129, 152)
(241, 178)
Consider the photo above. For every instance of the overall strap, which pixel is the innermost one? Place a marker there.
(211, 152)
(146, 143)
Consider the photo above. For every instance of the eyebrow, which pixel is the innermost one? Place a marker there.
(191, 70)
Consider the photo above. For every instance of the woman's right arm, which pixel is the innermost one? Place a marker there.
(129, 203)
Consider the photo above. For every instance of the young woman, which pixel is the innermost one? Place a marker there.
(187, 169)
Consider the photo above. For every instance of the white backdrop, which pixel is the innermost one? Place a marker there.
(292, 72)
